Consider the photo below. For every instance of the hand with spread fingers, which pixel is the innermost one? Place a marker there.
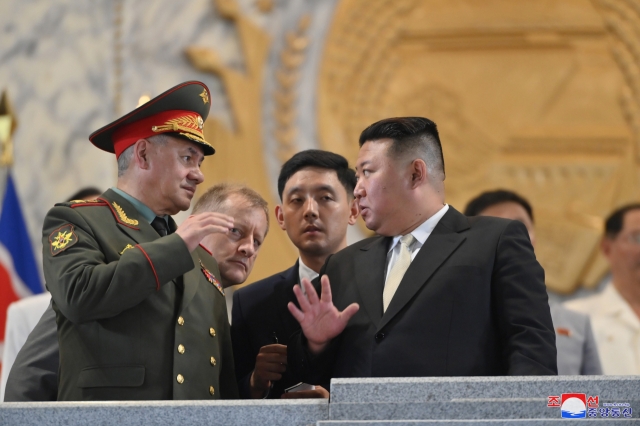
(198, 226)
(318, 392)
(271, 362)
(319, 319)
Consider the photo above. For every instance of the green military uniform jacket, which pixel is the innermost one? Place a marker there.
(139, 317)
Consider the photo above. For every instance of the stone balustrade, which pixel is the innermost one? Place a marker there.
(386, 401)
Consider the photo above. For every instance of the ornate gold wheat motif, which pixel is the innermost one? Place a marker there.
(186, 123)
(622, 18)
(287, 75)
(123, 215)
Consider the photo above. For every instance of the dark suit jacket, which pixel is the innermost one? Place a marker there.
(34, 374)
(259, 311)
(472, 303)
(139, 317)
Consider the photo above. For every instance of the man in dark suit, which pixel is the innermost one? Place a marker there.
(317, 206)
(576, 346)
(436, 293)
(140, 310)
(34, 375)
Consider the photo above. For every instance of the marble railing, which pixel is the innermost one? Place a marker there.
(390, 401)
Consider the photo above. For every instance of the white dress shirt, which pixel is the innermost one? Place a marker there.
(616, 328)
(421, 233)
(305, 272)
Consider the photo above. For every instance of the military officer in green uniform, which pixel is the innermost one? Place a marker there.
(140, 309)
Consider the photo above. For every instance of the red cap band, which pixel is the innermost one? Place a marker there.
(185, 123)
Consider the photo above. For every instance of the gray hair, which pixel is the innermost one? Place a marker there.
(125, 157)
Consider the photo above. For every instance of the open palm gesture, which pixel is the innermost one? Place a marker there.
(319, 319)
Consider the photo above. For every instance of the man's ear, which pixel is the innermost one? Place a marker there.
(280, 217)
(605, 246)
(141, 150)
(419, 173)
(354, 211)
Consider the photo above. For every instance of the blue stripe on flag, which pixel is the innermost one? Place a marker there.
(14, 236)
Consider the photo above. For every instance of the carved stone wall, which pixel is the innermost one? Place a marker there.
(536, 96)
(539, 96)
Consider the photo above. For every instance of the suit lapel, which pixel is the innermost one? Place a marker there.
(285, 294)
(370, 262)
(442, 242)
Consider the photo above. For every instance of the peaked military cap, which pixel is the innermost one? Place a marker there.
(180, 111)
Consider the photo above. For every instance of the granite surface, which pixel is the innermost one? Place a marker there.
(517, 422)
(300, 412)
(461, 389)
(480, 409)
(475, 400)
(471, 397)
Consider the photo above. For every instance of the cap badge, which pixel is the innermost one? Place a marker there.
(62, 238)
(205, 96)
(211, 278)
(188, 125)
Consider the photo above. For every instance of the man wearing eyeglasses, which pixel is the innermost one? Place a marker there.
(615, 313)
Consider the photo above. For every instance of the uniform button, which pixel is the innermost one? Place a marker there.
(213, 361)
(180, 321)
(180, 378)
(379, 336)
(212, 331)
(211, 390)
(180, 349)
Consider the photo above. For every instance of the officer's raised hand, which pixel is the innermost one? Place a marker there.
(198, 226)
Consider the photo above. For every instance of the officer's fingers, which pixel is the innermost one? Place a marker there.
(207, 215)
(224, 221)
(212, 229)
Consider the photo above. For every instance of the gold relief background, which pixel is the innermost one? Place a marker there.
(536, 96)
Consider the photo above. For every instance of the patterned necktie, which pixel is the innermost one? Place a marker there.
(397, 270)
(160, 225)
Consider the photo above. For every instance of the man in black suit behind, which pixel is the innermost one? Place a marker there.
(436, 293)
(317, 205)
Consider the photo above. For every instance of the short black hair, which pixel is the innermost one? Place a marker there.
(418, 135)
(321, 159)
(614, 222)
(491, 198)
(84, 193)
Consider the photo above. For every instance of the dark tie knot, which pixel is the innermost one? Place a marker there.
(160, 225)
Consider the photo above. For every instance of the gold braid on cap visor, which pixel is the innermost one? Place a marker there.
(190, 126)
